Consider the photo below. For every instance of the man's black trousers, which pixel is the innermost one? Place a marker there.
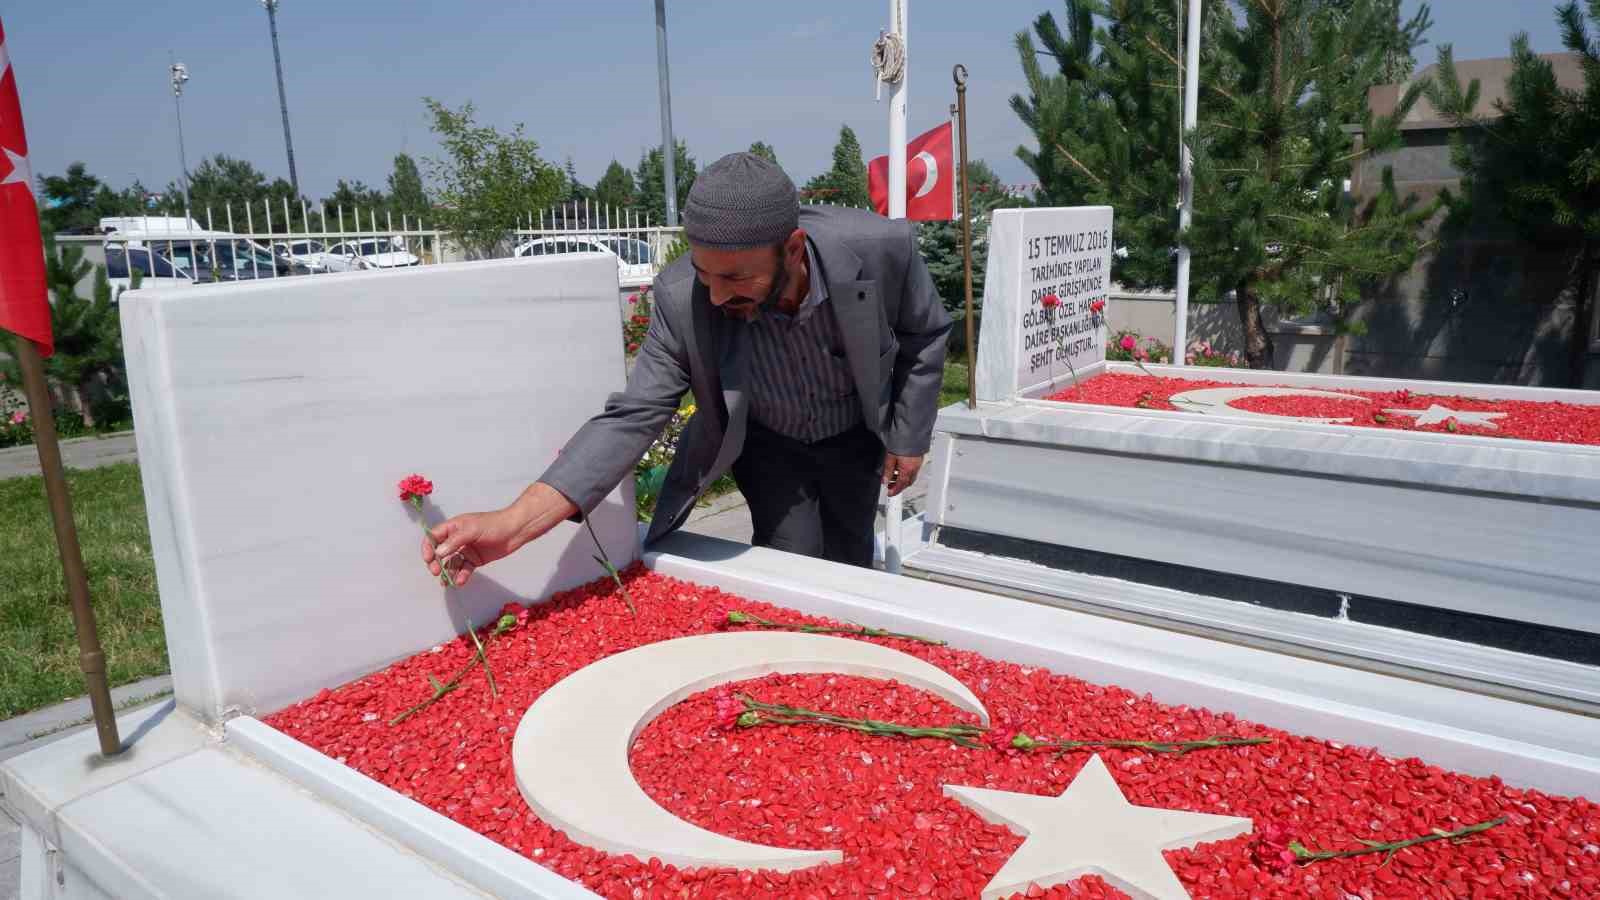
(816, 499)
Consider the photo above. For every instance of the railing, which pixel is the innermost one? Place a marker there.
(260, 241)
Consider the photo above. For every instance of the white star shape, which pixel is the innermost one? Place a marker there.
(1092, 829)
(21, 172)
(1436, 414)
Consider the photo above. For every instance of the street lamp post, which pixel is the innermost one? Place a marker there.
(180, 74)
(283, 102)
(669, 149)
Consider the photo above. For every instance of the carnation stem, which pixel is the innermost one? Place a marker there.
(738, 617)
(605, 562)
(758, 713)
(1177, 748)
(1307, 856)
(444, 564)
(505, 623)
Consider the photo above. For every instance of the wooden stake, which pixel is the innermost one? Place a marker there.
(959, 74)
(90, 657)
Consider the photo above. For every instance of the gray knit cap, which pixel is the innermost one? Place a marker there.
(741, 201)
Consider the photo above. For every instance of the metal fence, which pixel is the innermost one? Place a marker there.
(263, 240)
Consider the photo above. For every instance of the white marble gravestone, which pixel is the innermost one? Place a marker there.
(1064, 251)
(275, 418)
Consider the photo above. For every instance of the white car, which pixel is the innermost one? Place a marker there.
(634, 260)
(309, 253)
(369, 253)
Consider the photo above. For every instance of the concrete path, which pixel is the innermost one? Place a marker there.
(77, 453)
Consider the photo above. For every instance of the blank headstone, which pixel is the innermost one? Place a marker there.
(274, 420)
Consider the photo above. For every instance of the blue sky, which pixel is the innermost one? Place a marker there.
(581, 76)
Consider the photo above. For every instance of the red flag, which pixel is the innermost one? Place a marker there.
(930, 174)
(24, 308)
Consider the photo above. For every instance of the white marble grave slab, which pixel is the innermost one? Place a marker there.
(275, 418)
(1065, 251)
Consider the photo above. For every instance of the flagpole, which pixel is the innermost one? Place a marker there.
(894, 509)
(959, 75)
(1191, 100)
(91, 659)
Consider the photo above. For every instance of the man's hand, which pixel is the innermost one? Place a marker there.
(470, 540)
(900, 472)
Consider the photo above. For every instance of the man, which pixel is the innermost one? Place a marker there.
(814, 343)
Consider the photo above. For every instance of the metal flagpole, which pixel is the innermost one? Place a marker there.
(959, 74)
(91, 659)
(894, 509)
(1191, 100)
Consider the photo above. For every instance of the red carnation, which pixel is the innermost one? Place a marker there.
(1097, 306)
(1049, 301)
(1271, 847)
(633, 348)
(1128, 343)
(415, 486)
(728, 709)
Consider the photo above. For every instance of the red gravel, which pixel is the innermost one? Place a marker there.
(1564, 423)
(879, 800)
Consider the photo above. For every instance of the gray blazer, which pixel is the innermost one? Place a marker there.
(894, 332)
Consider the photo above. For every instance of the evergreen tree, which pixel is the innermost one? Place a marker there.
(1280, 81)
(652, 182)
(354, 199)
(1272, 221)
(765, 151)
(222, 182)
(576, 189)
(940, 242)
(1535, 165)
(406, 194)
(615, 187)
(844, 184)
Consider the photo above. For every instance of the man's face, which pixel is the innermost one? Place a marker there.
(741, 282)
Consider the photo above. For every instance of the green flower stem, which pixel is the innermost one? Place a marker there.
(1389, 849)
(444, 565)
(503, 625)
(605, 563)
(737, 617)
(758, 713)
(1177, 748)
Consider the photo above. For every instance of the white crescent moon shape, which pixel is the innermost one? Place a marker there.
(1214, 401)
(933, 174)
(570, 752)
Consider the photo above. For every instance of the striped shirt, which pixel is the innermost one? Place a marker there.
(800, 381)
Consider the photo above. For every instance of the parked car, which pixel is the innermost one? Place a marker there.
(307, 253)
(633, 256)
(370, 253)
(155, 268)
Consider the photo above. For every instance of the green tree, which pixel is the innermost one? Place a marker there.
(576, 189)
(845, 183)
(222, 183)
(79, 200)
(406, 195)
(1535, 165)
(765, 151)
(615, 187)
(940, 242)
(487, 179)
(651, 178)
(87, 365)
(1272, 220)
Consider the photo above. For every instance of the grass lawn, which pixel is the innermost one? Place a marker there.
(38, 648)
(954, 388)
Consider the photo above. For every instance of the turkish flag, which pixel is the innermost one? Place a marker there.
(24, 307)
(930, 178)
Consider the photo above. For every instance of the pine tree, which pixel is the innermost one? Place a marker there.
(576, 189)
(615, 187)
(79, 200)
(406, 194)
(845, 184)
(1535, 165)
(1272, 221)
(652, 181)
